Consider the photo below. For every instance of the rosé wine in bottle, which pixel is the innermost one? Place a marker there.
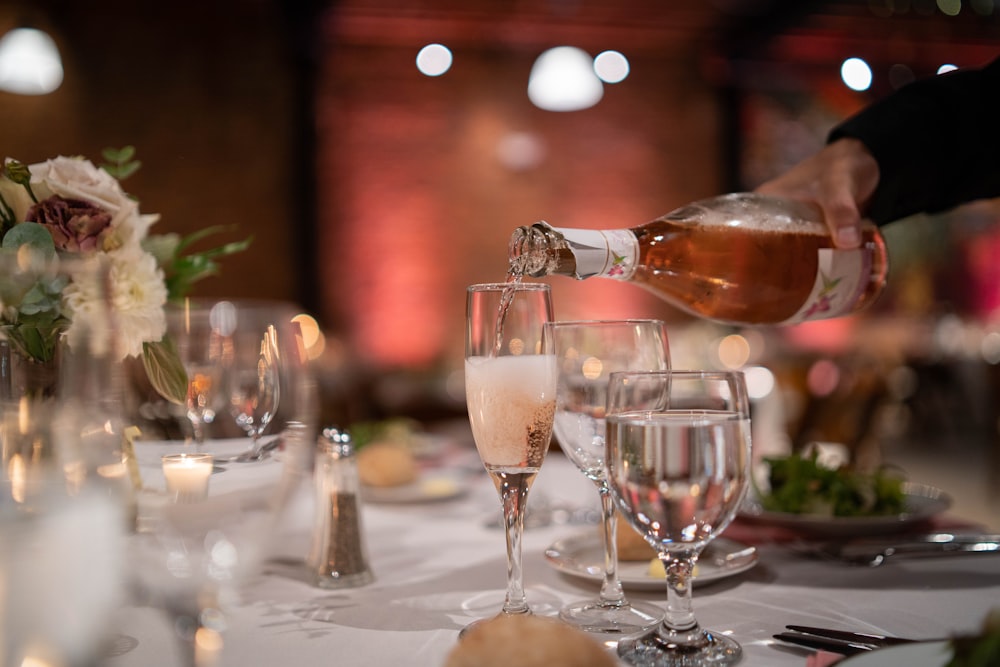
(740, 258)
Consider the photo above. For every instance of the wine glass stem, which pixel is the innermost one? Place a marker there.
(514, 498)
(611, 588)
(680, 615)
(198, 431)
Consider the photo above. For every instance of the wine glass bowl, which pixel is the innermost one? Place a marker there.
(510, 392)
(252, 377)
(678, 448)
(587, 352)
(199, 348)
(239, 357)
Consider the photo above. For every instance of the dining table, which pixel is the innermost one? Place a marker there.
(438, 555)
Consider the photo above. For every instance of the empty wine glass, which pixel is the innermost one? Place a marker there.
(678, 457)
(250, 366)
(231, 351)
(510, 384)
(199, 348)
(587, 353)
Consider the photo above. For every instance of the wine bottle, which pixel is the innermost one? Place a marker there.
(740, 258)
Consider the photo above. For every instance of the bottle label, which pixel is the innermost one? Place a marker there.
(840, 281)
(611, 253)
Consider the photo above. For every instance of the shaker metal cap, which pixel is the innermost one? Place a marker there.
(336, 442)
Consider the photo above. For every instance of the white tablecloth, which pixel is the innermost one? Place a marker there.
(439, 566)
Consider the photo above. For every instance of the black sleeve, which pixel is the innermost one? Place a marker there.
(936, 141)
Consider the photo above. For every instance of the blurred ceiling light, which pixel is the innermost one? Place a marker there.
(856, 74)
(950, 7)
(29, 62)
(434, 59)
(563, 79)
(611, 66)
(520, 151)
(944, 69)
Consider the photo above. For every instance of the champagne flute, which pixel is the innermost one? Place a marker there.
(587, 353)
(510, 385)
(678, 457)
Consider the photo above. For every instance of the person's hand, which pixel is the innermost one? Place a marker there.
(839, 179)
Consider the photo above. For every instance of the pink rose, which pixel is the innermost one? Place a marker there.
(75, 225)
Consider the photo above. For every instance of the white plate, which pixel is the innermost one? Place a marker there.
(921, 502)
(921, 654)
(583, 556)
(430, 487)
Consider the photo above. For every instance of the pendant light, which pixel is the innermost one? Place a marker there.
(29, 62)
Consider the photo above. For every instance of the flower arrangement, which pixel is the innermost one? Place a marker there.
(67, 207)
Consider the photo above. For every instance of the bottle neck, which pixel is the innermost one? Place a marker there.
(540, 250)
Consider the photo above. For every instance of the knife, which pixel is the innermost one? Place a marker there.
(874, 552)
(838, 641)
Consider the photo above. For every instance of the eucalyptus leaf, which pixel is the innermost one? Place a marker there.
(165, 370)
(32, 235)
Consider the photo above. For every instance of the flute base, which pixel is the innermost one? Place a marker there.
(656, 649)
(596, 617)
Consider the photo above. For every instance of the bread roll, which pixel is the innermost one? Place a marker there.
(526, 640)
(631, 545)
(386, 463)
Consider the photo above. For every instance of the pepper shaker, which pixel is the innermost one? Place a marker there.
(338, 558)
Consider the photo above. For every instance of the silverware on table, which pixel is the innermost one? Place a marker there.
(876, 551)
(256, 454)
(838, 641)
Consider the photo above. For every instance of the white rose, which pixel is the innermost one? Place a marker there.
(78, 178)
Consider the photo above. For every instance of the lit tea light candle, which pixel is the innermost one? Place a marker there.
(187, 476)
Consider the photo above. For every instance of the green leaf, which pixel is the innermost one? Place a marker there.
(119, 155)
(33, 235)
(119, 162)
(182, 271)
(165, 370)
(6, 215)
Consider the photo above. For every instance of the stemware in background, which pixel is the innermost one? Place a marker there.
(678, 448)
(192, 558)
(65, 498)
(199, 347)
(231, 351)
(587, 352)
(250, 365)
(510, 383)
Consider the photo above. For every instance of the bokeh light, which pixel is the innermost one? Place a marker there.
(611, 66)
(856, 74)
(434, 59)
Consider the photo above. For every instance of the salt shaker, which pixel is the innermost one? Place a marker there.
(338, 558)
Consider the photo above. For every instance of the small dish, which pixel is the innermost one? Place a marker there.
(583, 556)
(921, 501)
(429, 487)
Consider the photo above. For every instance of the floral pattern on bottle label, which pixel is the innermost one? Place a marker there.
(839, 283)
(607, 252)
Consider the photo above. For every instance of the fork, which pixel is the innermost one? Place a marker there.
(256, 454)
(838, 641)
(875, 552)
